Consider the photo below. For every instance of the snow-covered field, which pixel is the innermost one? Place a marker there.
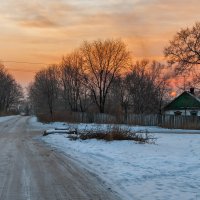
(170, 169)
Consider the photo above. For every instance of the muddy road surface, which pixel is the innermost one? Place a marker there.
(29, 170)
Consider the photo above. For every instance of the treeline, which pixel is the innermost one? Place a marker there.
(100, 77)
(10, 92)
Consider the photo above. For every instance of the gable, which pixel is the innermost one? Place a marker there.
(184, 101)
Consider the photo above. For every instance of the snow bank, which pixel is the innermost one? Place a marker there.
(168, 170)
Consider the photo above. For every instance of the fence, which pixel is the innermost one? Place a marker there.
(182, 122)
(167, 121)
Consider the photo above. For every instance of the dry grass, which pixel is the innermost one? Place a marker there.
(64, 116)
(77, 117)
(8, 113)
(115, 133)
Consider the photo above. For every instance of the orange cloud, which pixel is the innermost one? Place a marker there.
(40, 22)
(44, 30)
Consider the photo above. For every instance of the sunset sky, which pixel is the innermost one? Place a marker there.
(42, 31)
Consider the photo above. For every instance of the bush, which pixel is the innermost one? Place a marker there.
(115, 133)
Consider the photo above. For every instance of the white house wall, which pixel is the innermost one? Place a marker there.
(184, 113)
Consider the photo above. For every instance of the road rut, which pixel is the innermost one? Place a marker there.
(29, 170)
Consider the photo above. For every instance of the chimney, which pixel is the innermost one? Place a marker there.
(192, 90)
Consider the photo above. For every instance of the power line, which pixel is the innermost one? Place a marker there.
(22, 70)
(22, 62)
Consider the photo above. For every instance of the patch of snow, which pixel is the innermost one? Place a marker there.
(6, 118)
(167, 170)
(58, 130)
(34, 124)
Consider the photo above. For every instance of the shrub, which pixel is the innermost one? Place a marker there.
(115, 133)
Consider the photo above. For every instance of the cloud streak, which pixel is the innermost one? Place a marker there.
(42, 14)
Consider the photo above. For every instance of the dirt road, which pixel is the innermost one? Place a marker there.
(31, 171)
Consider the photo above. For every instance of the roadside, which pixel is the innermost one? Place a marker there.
(6, 118)
(167, 170)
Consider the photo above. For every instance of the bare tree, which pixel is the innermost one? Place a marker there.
(146, 87)
(45, 89)
(141, 90)
(74, 92)
(119, 96)
(103, 61)
(14, 95)
(11, 93)
(183, 51)
(159, 76)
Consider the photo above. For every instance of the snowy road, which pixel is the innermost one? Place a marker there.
(31, 171)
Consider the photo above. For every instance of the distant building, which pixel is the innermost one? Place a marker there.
(186, 104)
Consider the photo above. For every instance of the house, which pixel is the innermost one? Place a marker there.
(186, 104)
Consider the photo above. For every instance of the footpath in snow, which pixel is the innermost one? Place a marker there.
(169, 169)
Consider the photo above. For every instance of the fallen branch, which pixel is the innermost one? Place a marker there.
(59, 131)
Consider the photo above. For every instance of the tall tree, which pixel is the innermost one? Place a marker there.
(146, 87)
(73, 90)
(103, 61)
(11, 93)
(44, 91)
(183, 51)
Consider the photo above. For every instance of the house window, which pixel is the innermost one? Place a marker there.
(177, 113)
(193, 113)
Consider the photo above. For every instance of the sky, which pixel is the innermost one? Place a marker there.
(42, 31)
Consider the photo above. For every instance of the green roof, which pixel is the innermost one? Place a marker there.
(184, 101)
